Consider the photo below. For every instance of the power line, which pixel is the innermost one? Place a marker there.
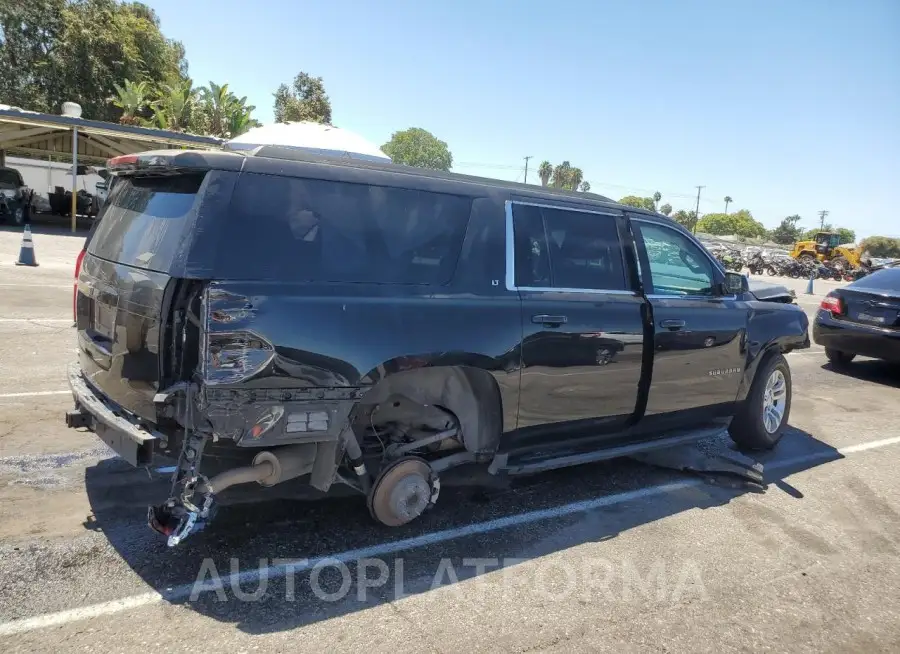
(822, 214)
(526, 168)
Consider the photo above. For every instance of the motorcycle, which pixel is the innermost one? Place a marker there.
(757, 265)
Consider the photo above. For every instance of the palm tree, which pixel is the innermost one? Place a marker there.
(544, 172)
(575, 179)
(131, 98)
(728, 201)
(656, 198)
(561, 175)
(585, 187)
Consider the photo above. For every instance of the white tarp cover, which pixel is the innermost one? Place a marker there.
(314, 137)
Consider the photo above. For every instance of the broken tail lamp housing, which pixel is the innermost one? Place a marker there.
(232, 357)
(833, 304)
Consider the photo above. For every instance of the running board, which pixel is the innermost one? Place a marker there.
(526, 465)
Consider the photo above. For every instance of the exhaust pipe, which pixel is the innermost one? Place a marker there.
(268, 468)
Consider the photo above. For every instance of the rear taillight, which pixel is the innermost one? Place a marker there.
(75, 293)
(234, 356)
(833, 304)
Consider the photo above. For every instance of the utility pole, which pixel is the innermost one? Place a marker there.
(526, 168)
(697, 212)
(822, 214)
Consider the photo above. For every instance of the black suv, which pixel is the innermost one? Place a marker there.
(271, 315)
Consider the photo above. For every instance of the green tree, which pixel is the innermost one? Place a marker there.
(304, 100)
(545, 170)
(687, 219)
(666, 209)
(641, 203)
(172, 109)
(576, 177)
(52, 51)
(728, 201)
(656, 198)
(881, 246)
(562, 176)
(739, 223)
(219, 112)
(418, 147)
(30, 33)
(131, 98)
(787, 232)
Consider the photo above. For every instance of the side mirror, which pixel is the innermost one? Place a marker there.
(736, 284)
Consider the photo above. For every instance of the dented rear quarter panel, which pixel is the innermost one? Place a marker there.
(329, 343)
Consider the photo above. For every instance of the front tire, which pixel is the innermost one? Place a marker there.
(760, 422)
(837, 358)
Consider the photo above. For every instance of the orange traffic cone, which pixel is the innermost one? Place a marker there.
(26, 252)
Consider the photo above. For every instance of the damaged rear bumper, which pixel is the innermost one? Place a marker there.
(129, 439)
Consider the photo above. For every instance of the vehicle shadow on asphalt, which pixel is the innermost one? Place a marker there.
(535, 519)
(870, 370)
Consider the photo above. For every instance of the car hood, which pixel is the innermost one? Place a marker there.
(768, 291)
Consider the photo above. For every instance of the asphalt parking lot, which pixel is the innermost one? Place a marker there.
(615, 556)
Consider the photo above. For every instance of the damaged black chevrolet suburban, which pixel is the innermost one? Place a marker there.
(273, 315)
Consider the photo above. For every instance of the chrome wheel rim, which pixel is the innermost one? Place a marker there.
(774, 401)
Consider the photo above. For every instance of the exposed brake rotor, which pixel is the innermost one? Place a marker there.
(403, 490)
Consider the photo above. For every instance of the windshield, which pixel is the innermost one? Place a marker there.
(10, 179)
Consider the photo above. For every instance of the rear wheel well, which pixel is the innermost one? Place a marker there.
(434, 399)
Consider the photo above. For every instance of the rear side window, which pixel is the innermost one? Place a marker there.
(294, 229)
(146, 220)
(566, 249)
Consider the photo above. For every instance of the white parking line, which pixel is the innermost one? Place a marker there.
(4, 396)
(184, 591)
(38, 320)
(66, 286)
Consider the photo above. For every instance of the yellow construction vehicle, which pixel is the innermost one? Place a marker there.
(827, 246)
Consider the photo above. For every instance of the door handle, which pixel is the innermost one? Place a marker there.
(544, 319)
(674, 325)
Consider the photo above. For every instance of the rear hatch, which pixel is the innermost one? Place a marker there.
(140, 244)
(873, 301)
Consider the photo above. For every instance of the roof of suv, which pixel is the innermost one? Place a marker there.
(293, 161)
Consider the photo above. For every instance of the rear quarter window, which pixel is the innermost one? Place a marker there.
(146, 221)
(298, 230)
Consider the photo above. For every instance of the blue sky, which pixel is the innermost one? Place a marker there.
(788, 107)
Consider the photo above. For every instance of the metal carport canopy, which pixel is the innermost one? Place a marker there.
(33, 134)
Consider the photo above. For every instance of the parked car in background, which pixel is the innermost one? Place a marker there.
(15, 197)
(861, 318)
(340, 322)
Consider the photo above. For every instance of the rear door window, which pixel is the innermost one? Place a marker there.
(298, 230)
(566, 249)
(146, 221)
